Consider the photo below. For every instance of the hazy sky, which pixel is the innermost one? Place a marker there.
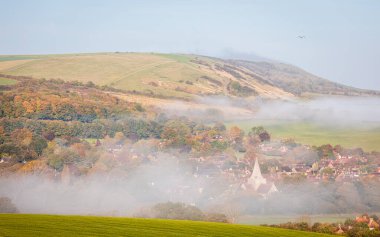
(342, 36)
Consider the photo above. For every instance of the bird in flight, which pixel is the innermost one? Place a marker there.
(301, 37)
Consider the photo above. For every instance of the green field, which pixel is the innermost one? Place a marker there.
(364, 136)
(7, 81)
(54, 225)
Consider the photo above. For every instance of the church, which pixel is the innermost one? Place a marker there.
(257, 183)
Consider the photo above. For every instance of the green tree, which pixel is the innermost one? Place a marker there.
(38, 144)
(177, 211)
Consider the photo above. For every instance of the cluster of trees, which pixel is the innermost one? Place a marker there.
(46, 100)
(25, 139)
(235, 88)
(326, 151)
(182, 211)
(187, 135)
(66, 107)
(21, 145)
(42, 110)
(259, 134)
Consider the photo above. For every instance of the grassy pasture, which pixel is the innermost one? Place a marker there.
(54, 225)
(7, 81)
(364, 136)
(164, 74)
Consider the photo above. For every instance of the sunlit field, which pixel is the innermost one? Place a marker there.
(48, 225)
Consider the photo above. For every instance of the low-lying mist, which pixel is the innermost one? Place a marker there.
(330, 110)
(350, 111)
(126, 189)
(122, 193)
(112, 192)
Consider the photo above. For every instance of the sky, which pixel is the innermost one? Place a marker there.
(341, 36)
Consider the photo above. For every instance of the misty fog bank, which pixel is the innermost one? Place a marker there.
(126, 194)
(331, 110)
(326, 110)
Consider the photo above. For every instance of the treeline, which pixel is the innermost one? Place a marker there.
(133, 128)
(24, 139)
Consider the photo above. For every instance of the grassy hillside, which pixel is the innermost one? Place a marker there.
(48, 225)
(366, 137)
(175, 75)
(170, 75)
(7, 81)
(295, 80)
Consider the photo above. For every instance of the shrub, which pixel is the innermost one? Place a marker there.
(177, 211)
(216, 217)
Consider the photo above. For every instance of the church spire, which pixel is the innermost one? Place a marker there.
(256, 178)
(256, 173)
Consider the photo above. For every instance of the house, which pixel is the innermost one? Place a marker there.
(339, 231)
(362, 219)
(373, 225)
(283, 149)
(286, 170)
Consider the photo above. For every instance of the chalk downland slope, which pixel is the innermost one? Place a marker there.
(48, 225)
(177, 75)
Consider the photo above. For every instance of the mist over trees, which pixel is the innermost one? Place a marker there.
(6, 206)
(82, 150)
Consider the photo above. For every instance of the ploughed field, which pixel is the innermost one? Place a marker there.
(56, 225)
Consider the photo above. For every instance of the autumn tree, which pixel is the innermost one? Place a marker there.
(176, 133)
(236, 134)
(22, 136)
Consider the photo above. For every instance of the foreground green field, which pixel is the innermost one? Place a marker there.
(364, 136)
(54, 225)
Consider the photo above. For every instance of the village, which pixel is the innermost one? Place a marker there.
(262, 166)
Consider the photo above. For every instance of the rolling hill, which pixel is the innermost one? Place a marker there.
(46, 225)
(177, 75)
